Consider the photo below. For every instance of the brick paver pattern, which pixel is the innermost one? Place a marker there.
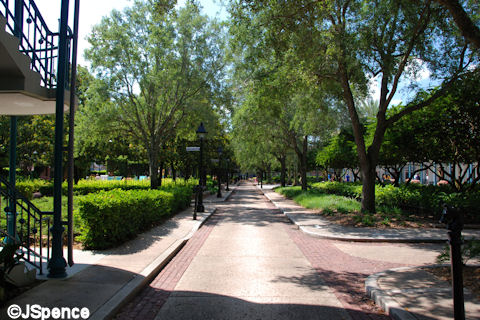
(149, 301)
(343, 273)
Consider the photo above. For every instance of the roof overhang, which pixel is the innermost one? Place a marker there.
(22, 103)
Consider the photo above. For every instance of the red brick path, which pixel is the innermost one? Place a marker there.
(343, 273)
(148, 302)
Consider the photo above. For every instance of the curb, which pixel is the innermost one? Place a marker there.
(347, 238)
(383, 299)
(133, 287)
(129, 290)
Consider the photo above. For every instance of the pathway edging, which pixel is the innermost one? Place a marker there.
(383, 299)
(111, 307)
(355, 238)
(131, 289)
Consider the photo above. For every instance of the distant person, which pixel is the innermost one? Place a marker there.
(347, 178)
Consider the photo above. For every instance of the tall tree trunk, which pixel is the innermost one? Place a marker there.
(367, 158)
(468, 28)
(302, 159)
(303, 164)
(174, 171)
(283, 170)
(160, 176)
(153, 168)
(368, 189)
(295, 175)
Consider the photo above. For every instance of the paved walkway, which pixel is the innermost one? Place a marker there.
(310, 222)
(250, 262)
(242, 265)
(102, 281)
(408, 292)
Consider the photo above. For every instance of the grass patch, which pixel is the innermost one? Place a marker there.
(328, 202)
(347, 210)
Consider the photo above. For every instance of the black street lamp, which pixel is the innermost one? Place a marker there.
(219, 192)
(228, 174)
(201, 133)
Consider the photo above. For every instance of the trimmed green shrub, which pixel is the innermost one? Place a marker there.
(109, 218)
(413, 198)
(352, 190)
(28, 186)
(289, 192)
(86, 186)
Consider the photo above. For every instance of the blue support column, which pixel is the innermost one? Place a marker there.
(435, 175)
(57, 263)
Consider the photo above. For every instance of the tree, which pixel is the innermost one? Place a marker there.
(467, 26)
(159, 68)
(447, 133)
(343, 44)
(339, 154)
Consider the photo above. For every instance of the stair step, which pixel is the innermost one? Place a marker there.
(11, 44)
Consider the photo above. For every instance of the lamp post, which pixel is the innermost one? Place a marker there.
(228, 173)
(219, 192)
(201, 133)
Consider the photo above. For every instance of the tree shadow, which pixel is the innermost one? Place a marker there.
(91, 288)
(202, 305)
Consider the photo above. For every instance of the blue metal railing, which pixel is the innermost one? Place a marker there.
(36, 40)
(32, 226)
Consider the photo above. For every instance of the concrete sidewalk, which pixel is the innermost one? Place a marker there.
(314, 224)
(404, 293)
(247, 268)
(102, 281)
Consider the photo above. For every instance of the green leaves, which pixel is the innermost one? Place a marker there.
(110, 218)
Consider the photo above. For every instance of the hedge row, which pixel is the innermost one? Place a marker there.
(416, 198)
(83, 187)
(109, 218)
(28, 187)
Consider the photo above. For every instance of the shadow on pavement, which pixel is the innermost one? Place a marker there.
(143, 240)
(201, 305)
(90, 288)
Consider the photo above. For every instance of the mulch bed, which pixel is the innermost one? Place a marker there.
(378, 221)
(471, 277)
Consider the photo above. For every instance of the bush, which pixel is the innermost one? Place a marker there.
(28, 186)
(84, 187)
(414, 198)
(109, 218)
(351, 190)
(289, 192)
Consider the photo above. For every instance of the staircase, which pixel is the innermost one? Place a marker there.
(28, 61)
(32, 225)
(31, 56)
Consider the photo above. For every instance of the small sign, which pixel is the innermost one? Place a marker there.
(193, 149)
